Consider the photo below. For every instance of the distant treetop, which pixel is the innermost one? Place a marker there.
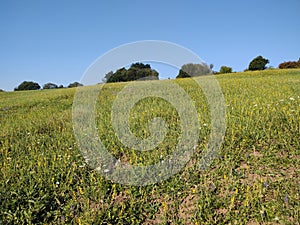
(137, 71)
(225, 69)
(289, 64)
(139, 65)
(258, 63)
(75, 84)
(50, 86)
(28, 85)
(193, 70)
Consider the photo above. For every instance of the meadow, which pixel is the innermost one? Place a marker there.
(254, 180)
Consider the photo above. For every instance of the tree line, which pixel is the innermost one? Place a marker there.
(140, 71)
(259, 63)
(31, 85)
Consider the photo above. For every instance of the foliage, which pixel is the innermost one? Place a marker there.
(194, 70)
(107, 76)
(28, 85)
(254, 180)
(289, 64)
(182, 74)
(225, 69)
(75, 84)
(1, 90)
(50, 86)
(139, 65)
(137, 71)
(258, 63)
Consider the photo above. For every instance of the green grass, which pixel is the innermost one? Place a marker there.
(254, 180)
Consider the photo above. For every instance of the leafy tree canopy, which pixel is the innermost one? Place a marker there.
(75, 84)
(137, 71)
(225, 69)
(182, 74)
(258, 63)
(28, 85)
(193, 70)
(50, 86)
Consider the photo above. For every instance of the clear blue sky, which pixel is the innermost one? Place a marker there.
(55, 41)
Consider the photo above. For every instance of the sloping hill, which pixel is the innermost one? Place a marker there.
(255, 178)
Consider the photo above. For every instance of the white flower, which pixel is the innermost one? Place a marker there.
(292, 99)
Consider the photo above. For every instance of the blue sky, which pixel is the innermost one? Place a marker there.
(55, 41)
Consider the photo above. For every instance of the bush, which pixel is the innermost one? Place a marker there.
(137, 71)
(182, 74)
(28, 85)
(194, 70)
(225, 69)
(258, 63)
(75, 84)
(50, 86)
(289, 64)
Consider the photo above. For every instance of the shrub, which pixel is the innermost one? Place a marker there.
(182, 74)
(225, 69)
(258, 63)
(137, 71)
(28, 85)
(50, 86)
(289, 64)
(194, 70)
(75, 84)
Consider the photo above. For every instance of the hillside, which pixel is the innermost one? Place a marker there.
(255, 178)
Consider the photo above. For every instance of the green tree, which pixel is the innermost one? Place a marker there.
(1, 90)
(137, 71)
(258, 63)
(225, 69)
(141, 72)
(118, 76)
(182, 74)
(107, 76)
(139, 65)
(75, 84)
(50, 86)
(193, 70)
(28, 85)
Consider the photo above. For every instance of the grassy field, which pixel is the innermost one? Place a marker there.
(254, 180)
